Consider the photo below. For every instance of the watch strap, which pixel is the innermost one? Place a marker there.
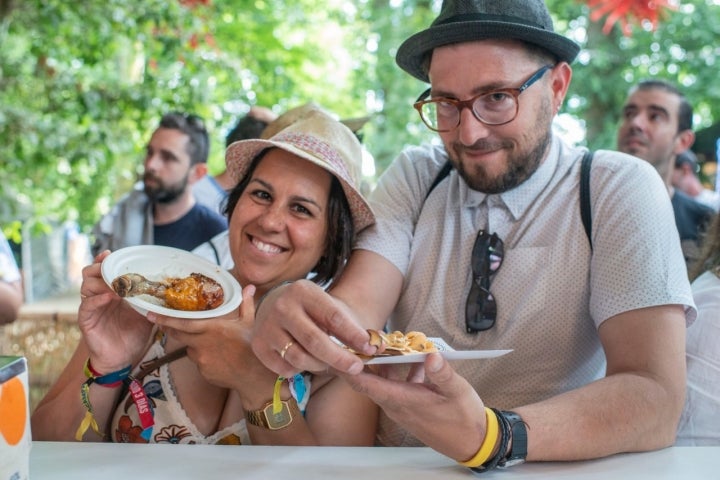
(518, 448)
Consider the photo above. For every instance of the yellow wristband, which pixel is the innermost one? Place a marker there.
(276, 401)
(488, 445)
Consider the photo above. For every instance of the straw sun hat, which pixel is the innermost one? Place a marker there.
(321, 140)
(302, 111)
(469, 20)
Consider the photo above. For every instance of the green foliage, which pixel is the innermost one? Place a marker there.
(77, 98)
(82, 88)
(82, 84)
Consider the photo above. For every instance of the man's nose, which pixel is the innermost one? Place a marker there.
(638, 121)
(152, 162)
(471, 129)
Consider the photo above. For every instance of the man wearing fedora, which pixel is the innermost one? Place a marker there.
(495, 256)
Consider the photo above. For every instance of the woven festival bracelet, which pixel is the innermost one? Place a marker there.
(109, 380)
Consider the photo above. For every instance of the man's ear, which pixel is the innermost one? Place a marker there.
(561, 76)
(197, 172)
(685, 140)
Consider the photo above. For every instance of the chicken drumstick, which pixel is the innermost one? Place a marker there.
(194, 292)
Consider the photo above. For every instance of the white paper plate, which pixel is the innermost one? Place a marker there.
(449, 355)
(445, 350)
(158, 263)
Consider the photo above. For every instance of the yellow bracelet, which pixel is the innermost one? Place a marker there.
(276, 400)
(489, 442)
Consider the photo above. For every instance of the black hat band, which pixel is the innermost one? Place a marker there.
(483, 17)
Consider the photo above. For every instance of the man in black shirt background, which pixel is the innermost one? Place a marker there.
(656, 125)
(162, 209)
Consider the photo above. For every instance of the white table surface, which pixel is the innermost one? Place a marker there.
(55, 460)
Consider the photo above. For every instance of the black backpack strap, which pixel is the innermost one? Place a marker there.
(159, 362)
(444, 172)
(585, 210)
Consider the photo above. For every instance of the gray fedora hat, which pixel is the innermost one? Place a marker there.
(468, 20)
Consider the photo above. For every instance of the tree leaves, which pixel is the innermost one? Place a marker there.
(82, 84)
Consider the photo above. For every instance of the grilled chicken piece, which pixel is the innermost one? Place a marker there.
(192, 293)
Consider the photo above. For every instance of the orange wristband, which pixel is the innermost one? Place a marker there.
(489, 442)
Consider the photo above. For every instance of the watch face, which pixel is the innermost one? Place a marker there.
(278, 420)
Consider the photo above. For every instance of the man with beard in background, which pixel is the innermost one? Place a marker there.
(164, 211)
(656, 126)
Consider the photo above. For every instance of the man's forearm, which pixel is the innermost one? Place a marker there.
(620, 413)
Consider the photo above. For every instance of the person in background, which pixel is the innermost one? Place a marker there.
(656, 125)
(11, 289)
(496, 256)
(700, 420)
(685, 178)
(212, 191)
(293, 214)
(164, 211)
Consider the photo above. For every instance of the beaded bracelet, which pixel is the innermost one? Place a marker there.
(110, 380)
(489, 442)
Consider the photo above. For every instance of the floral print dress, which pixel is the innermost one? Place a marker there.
(171, 423)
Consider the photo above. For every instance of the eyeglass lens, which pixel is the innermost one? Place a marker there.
(496, 107)
(481, 307)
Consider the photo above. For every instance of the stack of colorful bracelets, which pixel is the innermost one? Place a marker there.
(511, 433)
(113, 380)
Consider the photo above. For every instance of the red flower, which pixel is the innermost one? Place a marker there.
(193, 42)
(627, 11)
(194, 3)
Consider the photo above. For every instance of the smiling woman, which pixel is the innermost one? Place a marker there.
(279, 228)
(293, 214)
(271, 216)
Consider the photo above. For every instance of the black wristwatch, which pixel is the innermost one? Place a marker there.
(518, 450)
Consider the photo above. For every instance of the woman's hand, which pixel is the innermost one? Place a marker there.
(114, 332)
(220, 347)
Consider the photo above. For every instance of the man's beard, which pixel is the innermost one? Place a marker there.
(164, 193)
(520, 165)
